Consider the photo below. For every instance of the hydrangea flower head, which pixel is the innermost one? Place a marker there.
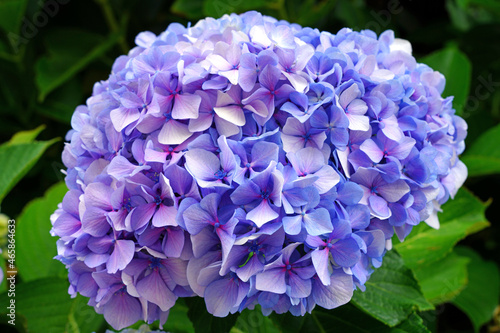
(250, 161)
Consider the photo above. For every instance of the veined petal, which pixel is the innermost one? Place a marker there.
(94, 222)
(173, 243)
(251, 268)
(165, 216)
(348, 95)
(122, 310)
(196, 219)
(66, 225)
(231, 75)
(346, 252)
(379, 207)
(372, 150)
(173, 133)
(318, 222)
(338, 292)
(232, 113)
(272, 280)
(122, 117)
(292, 224)
(262, 214)
(121, 256)
(120, 167)
(358, 122)
(202, 164)
(321, 262)
(219, 62)
(141, 215)
(154, 290)
(392, 192)
(357, 107)
(221, 296)
(298, 288)
(186, 106)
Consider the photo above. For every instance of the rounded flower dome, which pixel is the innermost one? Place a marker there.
(251, 161)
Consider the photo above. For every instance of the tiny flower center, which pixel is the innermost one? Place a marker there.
(167, 116)
(221, 174)
(155, 263)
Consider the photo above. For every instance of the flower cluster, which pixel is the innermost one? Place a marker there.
(251, 161)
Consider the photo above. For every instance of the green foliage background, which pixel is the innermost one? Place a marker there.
(51, 53)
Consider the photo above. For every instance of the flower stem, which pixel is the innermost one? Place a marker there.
(113, 23)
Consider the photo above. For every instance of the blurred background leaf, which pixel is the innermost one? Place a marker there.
(33, 237)
(204, 321)
(69, 51)
(253, 321)
(483, 156)
(17, 159)
(48, 309)
(479, 299)
(11, 14)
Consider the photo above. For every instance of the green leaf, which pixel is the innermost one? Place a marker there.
(392, 293)
(11, 14)
(458, 15)
(456, 68)
(26, 136)
(253, 321)
(61, 104)
(460, 217)
(70, 51)
(48, 308)
(482, 157)
(191, 9)
(293, 324)
(178, 320)
(17, 160)
(83, 317)
(346, 318)
(481, 296)
(312, 12)
(414, 324)
(3, 282)
(33, 237)
(204, 321)
(355, 15)
(441, 281)
(217, 8)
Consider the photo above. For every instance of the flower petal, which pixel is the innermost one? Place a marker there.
(153, 289)
(122, 255)
(122, 310)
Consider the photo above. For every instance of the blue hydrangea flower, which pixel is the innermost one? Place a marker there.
(250, 161)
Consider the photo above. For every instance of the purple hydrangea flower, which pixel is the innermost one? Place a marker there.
(251, 161)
